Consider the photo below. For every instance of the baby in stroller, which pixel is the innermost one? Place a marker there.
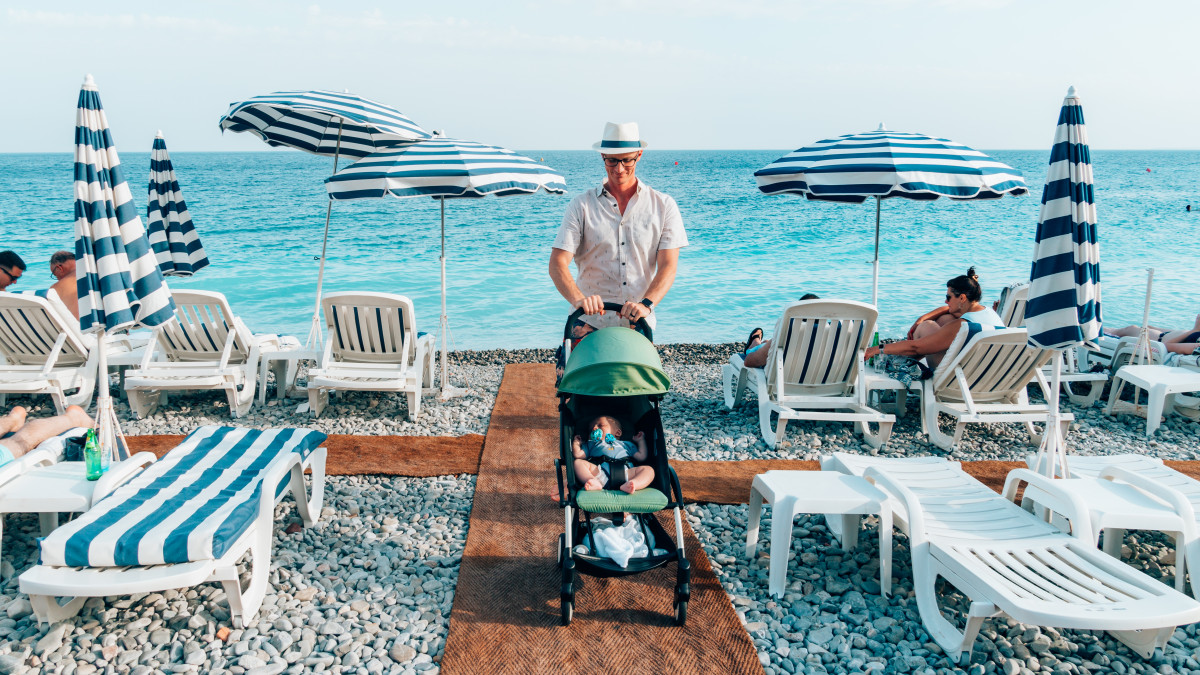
(606, 462)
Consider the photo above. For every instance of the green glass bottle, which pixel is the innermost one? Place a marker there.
(874, 343)
(92, 456)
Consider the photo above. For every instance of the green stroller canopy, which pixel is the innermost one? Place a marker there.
(614, 361)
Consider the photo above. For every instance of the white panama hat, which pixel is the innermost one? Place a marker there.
(620, 139)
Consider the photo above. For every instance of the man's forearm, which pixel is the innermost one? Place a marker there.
(560, 274)
(664, 276)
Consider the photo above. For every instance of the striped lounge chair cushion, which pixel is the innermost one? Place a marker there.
(192, 504)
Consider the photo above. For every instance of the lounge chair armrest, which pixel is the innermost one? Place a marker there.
(1173, 498)
(121, 472)
(148, 354)
(55, 351)
(912, 504)
(13, 469)
(1053, 497)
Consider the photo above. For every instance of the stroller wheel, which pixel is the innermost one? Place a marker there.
(568, 611)
(681, 612)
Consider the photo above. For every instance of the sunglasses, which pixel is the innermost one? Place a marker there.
(626, 162)
(949, 296)
(12, 278)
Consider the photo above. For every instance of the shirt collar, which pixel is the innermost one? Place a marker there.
(600, 191)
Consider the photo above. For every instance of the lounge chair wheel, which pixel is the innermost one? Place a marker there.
(681, 612)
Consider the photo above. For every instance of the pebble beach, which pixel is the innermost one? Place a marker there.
(370, 587)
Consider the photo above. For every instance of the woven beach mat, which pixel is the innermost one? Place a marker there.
(506, 614)
(415, 456)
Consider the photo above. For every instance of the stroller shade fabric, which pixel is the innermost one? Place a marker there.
(614, 361)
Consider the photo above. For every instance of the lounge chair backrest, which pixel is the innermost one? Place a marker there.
(1012, 305)
(995, 363)
(817, 342)
(29, 327)
(370, 327)
(204, 321)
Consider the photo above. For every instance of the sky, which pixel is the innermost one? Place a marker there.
(547, 74)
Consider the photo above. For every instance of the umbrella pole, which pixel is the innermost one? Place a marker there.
(1052, 454)
(314, 333)
(875, 264)
(448, 392)
(106, 416)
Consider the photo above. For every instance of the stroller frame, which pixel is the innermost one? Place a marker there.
(639, 412)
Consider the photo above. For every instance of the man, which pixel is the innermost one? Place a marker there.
(62, 266)
(624, 237)
(11, 268)
(18, 437)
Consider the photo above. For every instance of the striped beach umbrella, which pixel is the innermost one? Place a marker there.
(324, 123)
(443, 168)
(120, 285)
(883, 164)
(169, 226)
(1063, 310)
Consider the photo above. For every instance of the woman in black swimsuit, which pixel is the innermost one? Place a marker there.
(1177, 341)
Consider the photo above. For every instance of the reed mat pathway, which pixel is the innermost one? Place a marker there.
(416, 456)
(505, 617)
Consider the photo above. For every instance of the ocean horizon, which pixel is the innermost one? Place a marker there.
(260, 217)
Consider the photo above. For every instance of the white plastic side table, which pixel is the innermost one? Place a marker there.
(285, 364)
(1159, 383)
(827, 492)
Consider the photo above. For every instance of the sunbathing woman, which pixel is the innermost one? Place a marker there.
(934, 332)
(1177, 341)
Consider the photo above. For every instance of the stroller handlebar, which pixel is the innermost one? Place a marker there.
(640, 325)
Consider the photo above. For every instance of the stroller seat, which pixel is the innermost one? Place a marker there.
(648, 500)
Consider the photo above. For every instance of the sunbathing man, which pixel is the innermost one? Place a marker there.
(18, 436)
(1176, 341)
(62, 266)
(755, 353)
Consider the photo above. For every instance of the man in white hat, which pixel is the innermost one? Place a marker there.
(624, 237)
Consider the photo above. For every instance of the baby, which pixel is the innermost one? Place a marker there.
(605, 462)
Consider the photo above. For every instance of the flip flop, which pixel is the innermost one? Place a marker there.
(756, 332)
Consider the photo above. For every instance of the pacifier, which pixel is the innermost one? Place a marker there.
(599, 436)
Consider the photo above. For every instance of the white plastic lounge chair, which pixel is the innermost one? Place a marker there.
(373, 346)
(1177, 490)
(1012, 311)
(1009, 562)
(982, 379)
(40, 482)
(43, 352)
(188, 519)
(207, 347)
(814, 371)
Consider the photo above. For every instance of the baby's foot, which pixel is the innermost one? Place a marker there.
(593, 484)
(627, 488)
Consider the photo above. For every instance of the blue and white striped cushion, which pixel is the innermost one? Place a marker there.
(192, 504)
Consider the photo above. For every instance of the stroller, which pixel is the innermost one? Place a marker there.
(616, 372)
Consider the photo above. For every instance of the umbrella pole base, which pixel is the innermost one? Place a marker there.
(448, 392)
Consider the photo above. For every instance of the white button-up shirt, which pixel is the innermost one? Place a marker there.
(617, 255)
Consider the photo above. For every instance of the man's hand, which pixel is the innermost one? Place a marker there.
(591, 304)
(634, 311)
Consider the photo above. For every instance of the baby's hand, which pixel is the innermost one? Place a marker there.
(639, 436)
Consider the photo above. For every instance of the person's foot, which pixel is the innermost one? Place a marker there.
(77, 416)
(593, 484)
(756, 337)
(16, 417)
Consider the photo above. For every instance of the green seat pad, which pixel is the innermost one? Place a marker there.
(612, 501)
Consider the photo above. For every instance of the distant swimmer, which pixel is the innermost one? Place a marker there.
(1188, 208)
(1147, 169)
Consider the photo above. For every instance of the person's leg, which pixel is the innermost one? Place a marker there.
(1181, 347)
(589, 474)
(13, 420)
(927, 328)
(1134, 331)
(35, 431)
(758, 357)
(639, 477)
(940, 321)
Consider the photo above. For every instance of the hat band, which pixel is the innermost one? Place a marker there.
(620, 144)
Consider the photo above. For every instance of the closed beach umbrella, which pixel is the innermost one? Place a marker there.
(883, 164)
(1063, 310)
(443, 168)
(324, 123)
(120, 285)
(169, 226)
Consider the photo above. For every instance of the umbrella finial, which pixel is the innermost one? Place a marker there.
(439, 133)
(159, 134)
(89, 82)
(882, 127)
(1071, 91)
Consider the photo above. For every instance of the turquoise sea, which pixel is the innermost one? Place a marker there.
(260, 217)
